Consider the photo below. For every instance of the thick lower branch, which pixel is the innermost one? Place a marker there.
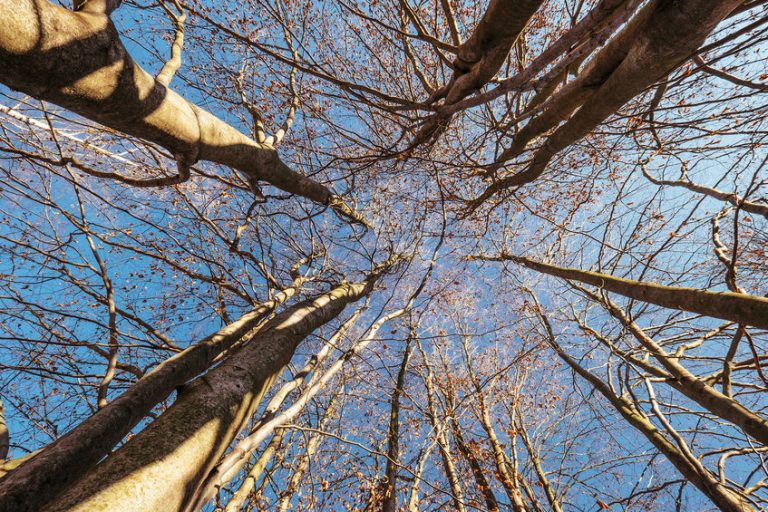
(76, 60)
(736, 307)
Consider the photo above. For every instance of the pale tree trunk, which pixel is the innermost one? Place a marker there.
(76, 60)
(163, 465)
(413, 494)
(238, 457)
(315, 438)
(51, 470)
(225, 470)
(457, 495)
(533, 456)
(501, 462)
(389, 502)
(249, 482)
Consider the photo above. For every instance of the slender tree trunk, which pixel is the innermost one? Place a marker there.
(249, 482)
(500, 459)
(481, 482)
(451, 473)
(413, 494)
(549, 492)
(313, 444)
(724, 498)
(230, 464)
(389, 503)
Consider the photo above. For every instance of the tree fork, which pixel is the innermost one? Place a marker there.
(58, 465)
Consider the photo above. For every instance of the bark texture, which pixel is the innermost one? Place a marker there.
(58, 465)
(160, 468)
(76, 60)
(481, 56)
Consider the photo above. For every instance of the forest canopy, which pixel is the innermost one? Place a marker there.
(383, 255)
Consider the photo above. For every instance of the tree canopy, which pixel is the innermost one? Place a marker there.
(383, 255)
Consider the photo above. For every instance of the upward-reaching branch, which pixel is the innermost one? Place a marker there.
(481, 56)
(173, 64)
(656, 42)
(72, 455)
(169, 459)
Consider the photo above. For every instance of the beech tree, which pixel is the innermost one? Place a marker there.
(383, 255)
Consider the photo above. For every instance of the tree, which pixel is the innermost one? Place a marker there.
(542, 284)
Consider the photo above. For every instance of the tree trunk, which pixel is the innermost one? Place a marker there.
(249, 482)
(5, 438)
(312, 445)
(162, 467)
(58, 465)
(389, 503)
(482, 55)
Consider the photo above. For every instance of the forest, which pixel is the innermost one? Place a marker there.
(383, 255)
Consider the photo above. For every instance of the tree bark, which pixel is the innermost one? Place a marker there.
(722, 497)
(58, 465)
(736, 307)
(481, 56)
(457, 495)
(646, 52)
(161, 467)
(315, 439)
(389, 503)
(76, 60)
(695, 388)
(500, 459)
(249, 482)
